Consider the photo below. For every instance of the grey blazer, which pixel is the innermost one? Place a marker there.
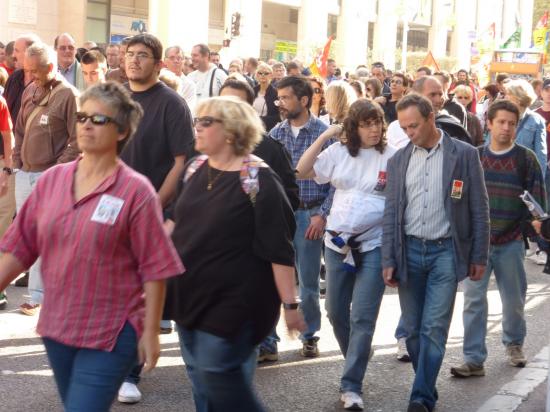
(469, 215)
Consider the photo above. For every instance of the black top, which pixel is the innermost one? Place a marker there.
(390, 111)
(13, 91)
(165, 131)
(277, 157)
(456, 109)
(227, 246)
(272, 117)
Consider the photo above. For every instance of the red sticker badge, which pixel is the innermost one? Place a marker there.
(456, 193)
(381, 184)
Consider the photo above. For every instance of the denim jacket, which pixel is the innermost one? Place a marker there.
(531, 133)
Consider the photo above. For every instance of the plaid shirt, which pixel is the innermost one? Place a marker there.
(309, 190)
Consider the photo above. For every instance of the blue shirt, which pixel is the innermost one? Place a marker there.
(531, 133)
(69, 74)
(296, 146)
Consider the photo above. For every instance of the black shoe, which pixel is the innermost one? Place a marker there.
(416, 406)
(310, 348)
(23, 282)
(3, 300)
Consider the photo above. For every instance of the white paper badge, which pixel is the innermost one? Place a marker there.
(44, 120)
(107, 210)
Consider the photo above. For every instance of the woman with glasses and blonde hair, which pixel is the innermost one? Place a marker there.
(97, 226)
(239, 257)
(465, 96)
(339, 96)
(265, 96)
(357, 169)
(318, 101)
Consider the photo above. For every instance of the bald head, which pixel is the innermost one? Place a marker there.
(430, 87)
(20, 47)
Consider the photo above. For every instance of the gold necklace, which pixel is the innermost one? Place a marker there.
(212, 180)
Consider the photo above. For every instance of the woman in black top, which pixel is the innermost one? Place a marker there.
(265, 96)
(398, 88)
(234, 228)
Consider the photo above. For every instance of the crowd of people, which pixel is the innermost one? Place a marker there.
(150, 187)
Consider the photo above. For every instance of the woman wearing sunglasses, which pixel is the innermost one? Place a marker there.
(234, 227)
(97, 226)
(357, 170)
(318, 101)
(265, 96)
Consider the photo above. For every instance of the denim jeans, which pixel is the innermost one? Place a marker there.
(308, 266)
(506, 261)
(427, 301)
(220, 370)
(88, 379)
(352, 304)
(24, 184)
(400, 331)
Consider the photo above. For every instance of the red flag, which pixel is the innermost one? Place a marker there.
(429, 61)
(319, 65)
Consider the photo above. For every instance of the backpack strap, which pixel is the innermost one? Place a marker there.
(211, 88)
(196, 163)
(250, 182)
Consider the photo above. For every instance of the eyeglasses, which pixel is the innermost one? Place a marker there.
(205, 121)
(317, 90)
(396, 81)
(281, 100)
(175, 58)
(263, 73)
(65, 48)
(139, 56)
(371, 124)
(96, 119)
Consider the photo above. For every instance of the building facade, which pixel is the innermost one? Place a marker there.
(364, 30)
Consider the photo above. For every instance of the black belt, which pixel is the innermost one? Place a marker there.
(310, 205)
(439, 241)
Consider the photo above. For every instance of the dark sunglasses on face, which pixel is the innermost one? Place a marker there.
(263, 73)
(396, 82)
(96, 119)
(205, 121)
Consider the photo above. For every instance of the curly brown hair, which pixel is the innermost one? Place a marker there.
(363, 110)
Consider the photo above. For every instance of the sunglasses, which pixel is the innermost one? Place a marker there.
(205, 121)
(263, 73)
(317, 90)
(65, 48)
(396, 82)
(96, 119)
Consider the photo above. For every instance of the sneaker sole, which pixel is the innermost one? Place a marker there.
(354, 407)
(309, 354)
(28, 312)
(268, 358)
(458, 374)
(518, 364)
(124, 399)
(404, 358)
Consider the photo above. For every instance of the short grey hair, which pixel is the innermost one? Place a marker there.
(178, 48)
(29, 38)
(117, 97)
(46, 55)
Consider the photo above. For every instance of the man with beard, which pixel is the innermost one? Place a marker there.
(297, 132)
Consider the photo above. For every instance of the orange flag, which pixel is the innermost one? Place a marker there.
(319, 65)
(429, 61)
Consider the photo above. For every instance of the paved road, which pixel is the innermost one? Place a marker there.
(295, 384)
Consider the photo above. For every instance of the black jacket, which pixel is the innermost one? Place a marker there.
(452, 127)
(272, 117)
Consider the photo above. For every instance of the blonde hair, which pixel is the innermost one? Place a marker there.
(339, 96)
(264, 66)
(521, 90)
(465, 90)
(239, 120)
(170, 79)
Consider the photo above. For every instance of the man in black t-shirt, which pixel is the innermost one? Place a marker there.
(161, 144)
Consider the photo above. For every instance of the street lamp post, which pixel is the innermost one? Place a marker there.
(404, 44)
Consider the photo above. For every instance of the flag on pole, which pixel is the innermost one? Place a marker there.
(319, 65)
(541, 35)
(430, 61)
(514, 41)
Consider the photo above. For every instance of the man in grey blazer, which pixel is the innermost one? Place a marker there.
(436, 233)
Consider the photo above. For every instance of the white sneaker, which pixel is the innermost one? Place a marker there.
(538, 258)
(402, 353)
(129, 393)
(533, 247)
(352, 401)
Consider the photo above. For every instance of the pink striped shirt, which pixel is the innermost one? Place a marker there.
(96, 253)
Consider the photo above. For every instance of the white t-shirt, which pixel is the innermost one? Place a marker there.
(260, 105)
(396, 136)
(188, 90)
(296, 130)
(202, 81)
(354, 178)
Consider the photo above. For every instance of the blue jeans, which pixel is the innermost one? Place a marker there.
(220, 370)
(352, 304)
(24, 184)
(88, 379)
(308, 266)
(506, 261)
(400, 331)
(427, 301)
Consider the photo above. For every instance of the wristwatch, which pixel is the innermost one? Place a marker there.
(291, 306)
(8, 170)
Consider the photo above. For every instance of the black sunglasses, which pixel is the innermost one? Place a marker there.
(96, 119)
(205, 121)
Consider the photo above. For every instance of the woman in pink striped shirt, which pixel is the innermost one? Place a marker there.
(97, 226)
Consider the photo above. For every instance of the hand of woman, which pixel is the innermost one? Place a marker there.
(149, 350)
(294, 321)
